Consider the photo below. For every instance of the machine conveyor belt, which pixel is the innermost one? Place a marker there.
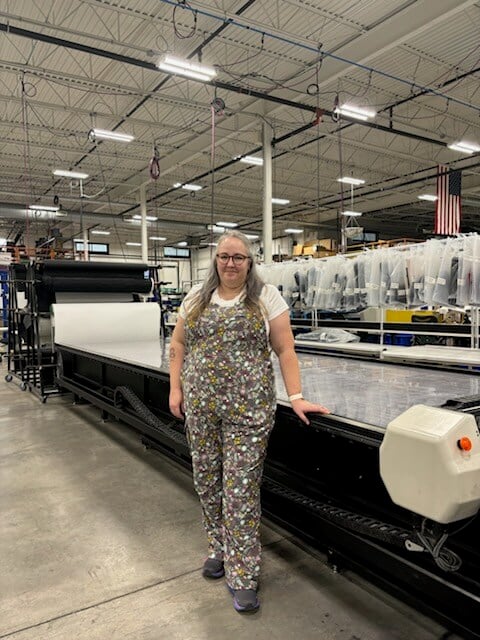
(371, 393)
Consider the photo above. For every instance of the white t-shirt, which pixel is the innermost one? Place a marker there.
(270, 297)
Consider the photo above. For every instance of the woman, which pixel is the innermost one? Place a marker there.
(221, 378)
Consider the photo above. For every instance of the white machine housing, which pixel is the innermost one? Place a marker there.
(423, 467)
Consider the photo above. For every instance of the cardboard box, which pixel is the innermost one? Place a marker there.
(327, 243)
(297, 250)
(308, 250)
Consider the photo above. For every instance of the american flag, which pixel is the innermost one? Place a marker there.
(449, 203)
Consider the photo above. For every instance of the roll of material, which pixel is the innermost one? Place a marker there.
(55, 276)
(76, 325)
(105, 284)
(78, 268)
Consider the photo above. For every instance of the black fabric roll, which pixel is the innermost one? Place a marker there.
(112, 269)
(74, 276)
(113, 285)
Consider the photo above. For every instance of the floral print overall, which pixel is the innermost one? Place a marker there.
(230, 403)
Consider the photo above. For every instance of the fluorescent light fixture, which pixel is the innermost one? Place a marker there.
(293, 230)
(188, 187)
(216, 228)
(137, 216)
(427, 196)
(252, 160)
(212, 244)
(42, 207)
(133, 244)
(348, 180)
(116, 136)
(171, 64)
(3, 242)
(182, 244)
(352, 214)
(464, 147)
(159, 238)
(280, 201)
(352, 111)
(98, 232)
(229, 225)
(251, 236)
(75, 175)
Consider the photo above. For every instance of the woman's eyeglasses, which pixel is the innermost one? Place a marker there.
(237, 259)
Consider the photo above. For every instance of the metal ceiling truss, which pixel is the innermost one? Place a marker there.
(62, 102)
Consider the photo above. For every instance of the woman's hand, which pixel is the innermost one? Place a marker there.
(302, 406)
(175, 402)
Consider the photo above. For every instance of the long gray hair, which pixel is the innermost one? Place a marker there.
(253, 284)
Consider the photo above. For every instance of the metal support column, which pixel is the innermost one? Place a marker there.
(267, 136)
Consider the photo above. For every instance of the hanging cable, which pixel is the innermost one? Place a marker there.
(247, 59)
(183, 4)
(119, 240)
(446, 559)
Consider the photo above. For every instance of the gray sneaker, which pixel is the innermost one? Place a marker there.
(213, 569)
(245, 600)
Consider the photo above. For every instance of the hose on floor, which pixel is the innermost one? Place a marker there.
(125, 393)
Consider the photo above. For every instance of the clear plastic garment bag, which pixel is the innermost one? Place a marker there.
(465, 268)
(443, 290)
(415, 260)
(397, 292)
(433, 259)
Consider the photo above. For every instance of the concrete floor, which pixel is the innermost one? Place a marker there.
(100, 539)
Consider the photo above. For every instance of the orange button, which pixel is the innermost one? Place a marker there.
(465, 444)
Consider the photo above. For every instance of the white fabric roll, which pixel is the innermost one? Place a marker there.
(77, 324)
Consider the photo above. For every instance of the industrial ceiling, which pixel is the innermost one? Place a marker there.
(69, 67)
